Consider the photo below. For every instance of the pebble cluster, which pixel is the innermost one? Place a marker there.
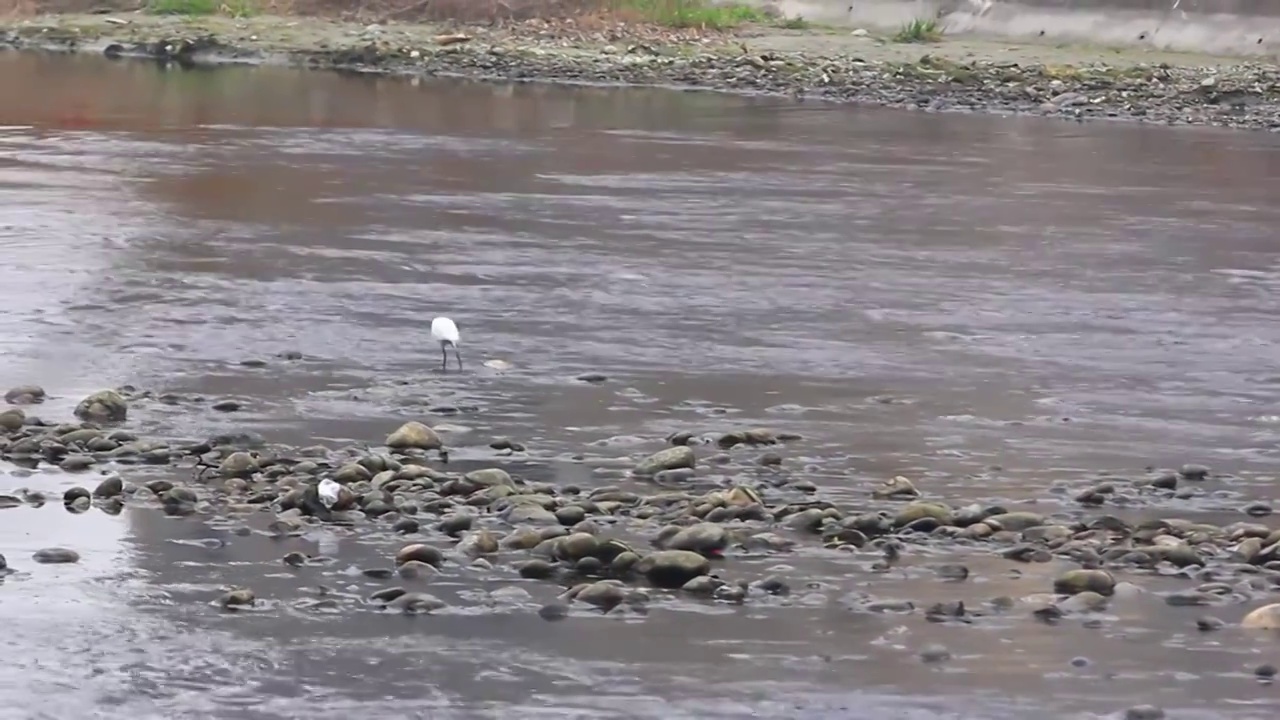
(660, 530)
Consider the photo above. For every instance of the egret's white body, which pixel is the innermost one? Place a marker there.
(445, 332)
(328, 491)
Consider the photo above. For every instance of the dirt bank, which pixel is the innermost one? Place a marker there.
(967, 75)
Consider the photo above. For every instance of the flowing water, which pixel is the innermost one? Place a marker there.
(987, 305)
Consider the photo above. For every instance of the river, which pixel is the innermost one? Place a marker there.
(993, 307)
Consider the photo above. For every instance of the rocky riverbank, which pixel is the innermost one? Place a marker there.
(683, 521)
(826, 65)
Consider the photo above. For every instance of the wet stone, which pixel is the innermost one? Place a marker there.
(405, 526)
(934, 654)
(1073, 582)
(109, 487)
(536, 569)
(937, 512)
(421, 553)
(241, 597)
(416, 603)
(703, 586)
(55, 556)
(673, 568)
(553, 611)
(1266, 617)
(570, 515)
(77, 462)
(669, 459)
(1258, 509)
(73, 494)
(414, 435)
(1188, 598)
(706, 539)
(604, 594)
(238, 465)
(897, 488)
(1208, 623)
(455, 524)
(24, 395)
(1144, 712)
(415, 570)
(103, 406)
(1192, 471)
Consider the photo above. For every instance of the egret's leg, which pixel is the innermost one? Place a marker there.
(444, 357)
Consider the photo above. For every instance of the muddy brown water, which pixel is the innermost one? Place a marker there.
(993, 307)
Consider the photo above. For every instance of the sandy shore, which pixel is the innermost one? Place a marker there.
(825, 64)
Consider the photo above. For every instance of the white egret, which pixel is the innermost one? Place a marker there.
(446, 333)
(328, 491)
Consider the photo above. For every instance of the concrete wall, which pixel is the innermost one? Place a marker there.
(1218, 27)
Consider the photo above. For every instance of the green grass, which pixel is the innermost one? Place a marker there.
(919, 30)
(694, 13)
(233, 8)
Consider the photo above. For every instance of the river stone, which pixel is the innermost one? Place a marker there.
(405, 526)
(109, 487)
(352, 473)
(421, 553)
(238, 464)
(1046, 533)
(576, 546)
(454, 524)
(671, 569)
(899, 488)
(918, 510)
(415, 570)
(24, 395)
(1180, 555)
(12, 419)
(707, 539)
(1014, 521)
(553, 611)
(55, 556)
(103, 406)
(1074, 582)
(1193, 471)
(74, 494)
(570, 515)
(809, 520)
(1266, 617)
(604, 594)
(413, 603)
(522, 539)
(1087, 601)
(536, 569)
(671, 458)
(489, 477)
(241, 597)
(1144, 712)
(414, 434)
(477, 543)
(703, 585)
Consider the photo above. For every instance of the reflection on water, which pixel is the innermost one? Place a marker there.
(989, 305)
